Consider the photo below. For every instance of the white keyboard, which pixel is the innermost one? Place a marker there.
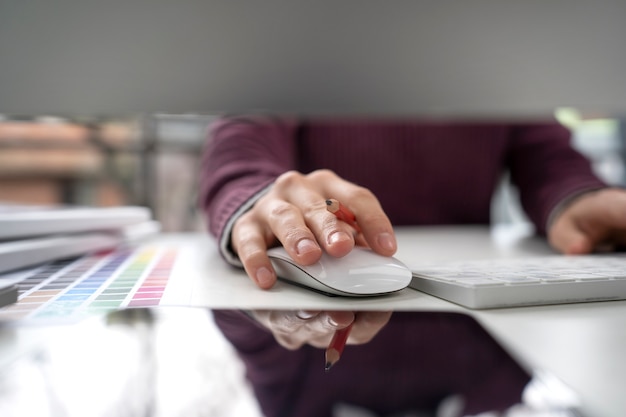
(522, 282)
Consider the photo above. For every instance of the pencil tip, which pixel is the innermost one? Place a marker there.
(328, 366)
(328, 202)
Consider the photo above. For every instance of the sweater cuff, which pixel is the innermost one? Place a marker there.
(565, 202)
(225, 246)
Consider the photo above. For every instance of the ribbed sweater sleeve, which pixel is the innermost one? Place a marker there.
(547, 170)
(243, 156)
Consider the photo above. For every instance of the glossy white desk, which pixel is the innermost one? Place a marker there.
(581, 344)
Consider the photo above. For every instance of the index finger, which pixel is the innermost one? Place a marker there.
(372, 221)
(374, 224)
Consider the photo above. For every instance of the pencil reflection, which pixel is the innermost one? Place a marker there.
(417, 364)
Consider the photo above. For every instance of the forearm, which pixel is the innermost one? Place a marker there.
(547, 170)
(242, 157)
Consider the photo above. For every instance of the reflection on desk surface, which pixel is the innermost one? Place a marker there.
(174, 362)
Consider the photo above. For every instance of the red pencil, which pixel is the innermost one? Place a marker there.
(343, 213)
(335, 348)
(338, 342)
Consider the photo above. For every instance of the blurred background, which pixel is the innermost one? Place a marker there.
(153, 161)
(148, 160)
(107, 103)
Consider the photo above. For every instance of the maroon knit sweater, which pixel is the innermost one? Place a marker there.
(423, 172)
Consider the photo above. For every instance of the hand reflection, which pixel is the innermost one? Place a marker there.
(293, 329)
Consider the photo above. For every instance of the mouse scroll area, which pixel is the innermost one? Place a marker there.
(361, 273)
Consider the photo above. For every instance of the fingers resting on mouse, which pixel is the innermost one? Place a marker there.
(293, 213)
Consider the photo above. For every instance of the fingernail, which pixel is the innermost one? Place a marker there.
(337, 237)
(264, 276)
(306, 246)
(386, 241)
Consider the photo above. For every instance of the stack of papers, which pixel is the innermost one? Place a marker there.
(32, 235)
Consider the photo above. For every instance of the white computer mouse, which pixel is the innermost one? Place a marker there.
(360, 273)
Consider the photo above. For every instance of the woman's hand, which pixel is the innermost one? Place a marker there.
(594, 221)
(293, 213)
